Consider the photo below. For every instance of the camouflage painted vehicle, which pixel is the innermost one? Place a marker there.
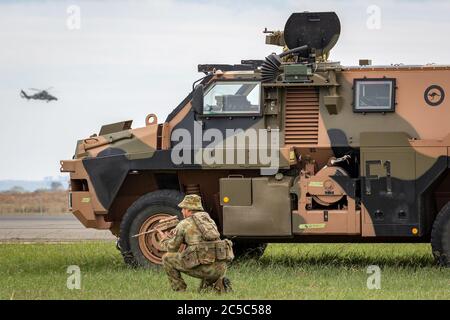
(358, 154)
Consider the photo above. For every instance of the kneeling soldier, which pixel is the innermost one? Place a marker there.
(205, 256)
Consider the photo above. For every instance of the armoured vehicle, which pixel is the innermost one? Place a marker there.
(293, 148)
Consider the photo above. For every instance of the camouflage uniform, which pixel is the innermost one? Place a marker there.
(186, 232)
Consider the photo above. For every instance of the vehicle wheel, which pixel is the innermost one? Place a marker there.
(145, 251)
(248, 249)
(440, 237)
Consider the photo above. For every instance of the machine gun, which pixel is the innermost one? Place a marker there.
(164, 225)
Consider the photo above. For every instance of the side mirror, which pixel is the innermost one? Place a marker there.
(197, 99)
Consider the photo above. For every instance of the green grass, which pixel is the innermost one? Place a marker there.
(286, 271)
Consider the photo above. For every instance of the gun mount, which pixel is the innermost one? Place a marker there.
(307, 39)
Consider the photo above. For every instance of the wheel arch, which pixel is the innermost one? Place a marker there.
(134, 186)
(434, 198)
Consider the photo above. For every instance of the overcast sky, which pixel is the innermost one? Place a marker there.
(131, 58)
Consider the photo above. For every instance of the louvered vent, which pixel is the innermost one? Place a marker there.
(302, 116)
(192, 189)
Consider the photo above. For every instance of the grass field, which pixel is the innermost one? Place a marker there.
(286, 271)
(38, 202)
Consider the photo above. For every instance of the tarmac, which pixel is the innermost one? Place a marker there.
(37, 228)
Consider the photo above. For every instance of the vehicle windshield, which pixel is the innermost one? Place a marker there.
(233, 98)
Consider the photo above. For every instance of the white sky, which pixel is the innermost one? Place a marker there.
(131, 58)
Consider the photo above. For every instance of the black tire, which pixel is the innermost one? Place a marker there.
(440, 237)
(150, 204)
(248, 249)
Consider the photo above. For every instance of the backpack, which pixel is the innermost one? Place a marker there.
(209, 250)
(206, 225)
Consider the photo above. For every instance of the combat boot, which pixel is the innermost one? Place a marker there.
(205, 286)
(227, 284)
(223, 285)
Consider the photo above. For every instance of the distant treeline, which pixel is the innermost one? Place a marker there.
(33, 185)
(41, 202)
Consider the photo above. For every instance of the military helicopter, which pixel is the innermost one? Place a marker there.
(40, 95)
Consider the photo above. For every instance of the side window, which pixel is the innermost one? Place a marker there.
(233, 98)
(374, 95)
